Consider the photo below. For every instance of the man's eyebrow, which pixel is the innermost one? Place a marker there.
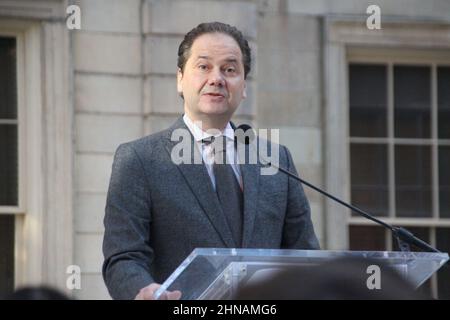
(231, 60)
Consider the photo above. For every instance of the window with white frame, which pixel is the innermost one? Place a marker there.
(9, 164)
(36, 117)
(399, 135)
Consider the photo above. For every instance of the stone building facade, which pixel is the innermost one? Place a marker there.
(81, 93)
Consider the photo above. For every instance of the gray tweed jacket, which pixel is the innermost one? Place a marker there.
(157, 212)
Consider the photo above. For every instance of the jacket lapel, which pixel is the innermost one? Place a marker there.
(199, 182)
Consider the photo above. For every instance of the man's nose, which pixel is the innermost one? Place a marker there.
(216, 79)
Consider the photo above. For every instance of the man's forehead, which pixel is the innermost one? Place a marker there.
(211, 45)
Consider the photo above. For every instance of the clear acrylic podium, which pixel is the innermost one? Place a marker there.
(216, 274)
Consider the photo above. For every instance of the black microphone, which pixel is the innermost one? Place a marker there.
(402, 235)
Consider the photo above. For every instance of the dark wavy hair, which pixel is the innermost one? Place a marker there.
(214, 27)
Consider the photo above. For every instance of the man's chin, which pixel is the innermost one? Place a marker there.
(216, 110)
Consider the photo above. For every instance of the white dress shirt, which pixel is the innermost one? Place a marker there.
(206, 150)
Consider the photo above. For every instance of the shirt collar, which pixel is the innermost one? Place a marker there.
(199, 134)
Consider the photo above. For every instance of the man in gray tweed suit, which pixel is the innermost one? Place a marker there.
(158, 211)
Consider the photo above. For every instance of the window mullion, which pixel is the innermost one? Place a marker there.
(434, 279)
(391, 146)
(9, 121)
(388, 240)
(434, 147)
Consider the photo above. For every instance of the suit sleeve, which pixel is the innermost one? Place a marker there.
(298, 230)
(126, 249)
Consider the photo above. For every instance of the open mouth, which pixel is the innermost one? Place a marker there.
(212, 94)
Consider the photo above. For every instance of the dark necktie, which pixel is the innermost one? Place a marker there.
(229, 193)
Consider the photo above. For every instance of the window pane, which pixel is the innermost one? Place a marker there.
(444, 182)
(8, 165)
(443, 244)
(412, 101)
(369, 178)
(413, 181)
(368, 100)
(444, 102)
(363, 238)
(8, 82)
(7, 254)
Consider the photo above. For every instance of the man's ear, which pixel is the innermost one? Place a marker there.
(244, 93)
(179, 84)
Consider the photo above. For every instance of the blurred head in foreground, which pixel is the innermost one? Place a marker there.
(37, 293)
(340, 279)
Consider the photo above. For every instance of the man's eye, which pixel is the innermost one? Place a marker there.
(230, 70)
(203, 67)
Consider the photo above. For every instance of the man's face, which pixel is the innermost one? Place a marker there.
(213, 81)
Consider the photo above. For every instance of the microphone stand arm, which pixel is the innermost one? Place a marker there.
(403, 236)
